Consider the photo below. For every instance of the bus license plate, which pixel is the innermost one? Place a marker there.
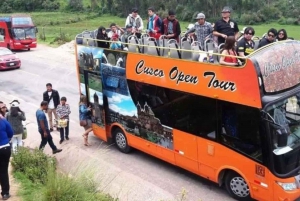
(12, 64)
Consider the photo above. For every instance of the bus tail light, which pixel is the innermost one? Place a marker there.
(287, 186)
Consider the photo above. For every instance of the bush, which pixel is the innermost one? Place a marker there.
(282, 21)
(291, 21)
(34, 164)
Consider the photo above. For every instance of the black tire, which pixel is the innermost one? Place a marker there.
(8, 46)
(237, 186)
(28, 49)
(121, 141)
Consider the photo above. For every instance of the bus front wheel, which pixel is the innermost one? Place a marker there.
(237, 186)
(121, 141)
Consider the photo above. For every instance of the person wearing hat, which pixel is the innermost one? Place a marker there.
(135, 21)
(15, 116)
(203, 30)
(171, 27)
(225, 27)
(128, 32)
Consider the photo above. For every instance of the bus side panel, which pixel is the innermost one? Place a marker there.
(4, 35)
(185, 147)
(100, 132)
(213, 158)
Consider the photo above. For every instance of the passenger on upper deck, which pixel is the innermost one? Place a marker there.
(129, 32)
(245, 46)
(116, 44)
(270, 38)
(102, 35)
(202, 29)
(229, 49)
(171, 27)
(282, 35)
(154, 24)
(225, 27)
(115, 29)
(136, 22)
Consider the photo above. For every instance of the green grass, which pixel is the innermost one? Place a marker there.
(55, 24)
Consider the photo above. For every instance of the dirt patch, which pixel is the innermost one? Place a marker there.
(14, 187)
(70, 46)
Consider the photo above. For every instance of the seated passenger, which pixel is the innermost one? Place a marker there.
(270, 38)
(154, 24)
(202, 29)
(136, 22)
(102, 35)
(229, 49)
(115, 29)
(171, 27)
(129, 32)
(245, 46)
(282, 35)
(116, 44)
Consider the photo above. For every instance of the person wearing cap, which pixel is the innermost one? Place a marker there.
(63, 111)
(154, 24)
(202, 29)
(129, 32)
(135, 21)
(15, 116)
(225, 27)
(171, 27)
(115, 29)
(116, 43)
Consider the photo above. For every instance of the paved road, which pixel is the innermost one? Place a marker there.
(134, 176)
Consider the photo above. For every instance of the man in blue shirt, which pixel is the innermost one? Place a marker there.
(44, 128)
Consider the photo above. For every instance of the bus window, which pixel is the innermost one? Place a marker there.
(240, 129)
(2, 34)
(189, 113)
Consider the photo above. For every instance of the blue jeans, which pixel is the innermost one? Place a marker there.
(46, 140)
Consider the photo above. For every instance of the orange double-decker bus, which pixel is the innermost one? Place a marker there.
(236, 126)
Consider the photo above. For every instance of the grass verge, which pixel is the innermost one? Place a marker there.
(36, 172)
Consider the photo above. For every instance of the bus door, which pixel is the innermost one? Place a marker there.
(2, 34)
(94, 93)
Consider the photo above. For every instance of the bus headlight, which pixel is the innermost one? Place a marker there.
(287, 186)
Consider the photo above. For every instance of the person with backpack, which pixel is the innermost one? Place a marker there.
(15, 116)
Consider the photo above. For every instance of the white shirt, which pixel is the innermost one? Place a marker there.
(109, 35)
(51, 103)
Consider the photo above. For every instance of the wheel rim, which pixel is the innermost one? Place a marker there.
(239, 187)
(121, 140)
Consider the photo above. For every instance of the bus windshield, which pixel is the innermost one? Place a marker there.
(285, 133)
(24, 33)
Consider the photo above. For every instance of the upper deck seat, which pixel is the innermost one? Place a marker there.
(144, 39)
(186, 45)
(152, 48)
(88, 39)
(220, 49)
(163, 46)
(174, 51)
(133, 45)
(79, 39)
(195, 47)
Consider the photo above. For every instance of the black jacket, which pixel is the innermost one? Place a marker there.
(55, 97)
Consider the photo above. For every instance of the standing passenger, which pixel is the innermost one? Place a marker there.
(136, 22)
(85, 118)
(171, 27)
(63, 111)
(15, 116)
(202, 29)
(154, 24)
(225, 27)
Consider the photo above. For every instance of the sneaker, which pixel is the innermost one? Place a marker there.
(6, 196)
(61, 141)
(51, 129)
(67, 138)
(57, 151)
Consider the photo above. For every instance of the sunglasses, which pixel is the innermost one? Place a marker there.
(271, 35)
(250, 34)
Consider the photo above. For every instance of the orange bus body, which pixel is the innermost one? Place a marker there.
(201, 155)
(11, 39)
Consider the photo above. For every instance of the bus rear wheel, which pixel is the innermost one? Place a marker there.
(8, 46)
(121, 141)
(237, 186)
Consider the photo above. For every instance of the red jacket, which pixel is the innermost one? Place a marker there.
(176, 28)
(157, 23)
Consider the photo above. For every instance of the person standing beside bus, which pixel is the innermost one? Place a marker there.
(85, 118)
(6, 133)
(202, 29)
(136, 22)
(63, 111)
(225, 27)
(154, 24)
(51, 96)
(15, 116)
(3, 109)
(171, 27)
